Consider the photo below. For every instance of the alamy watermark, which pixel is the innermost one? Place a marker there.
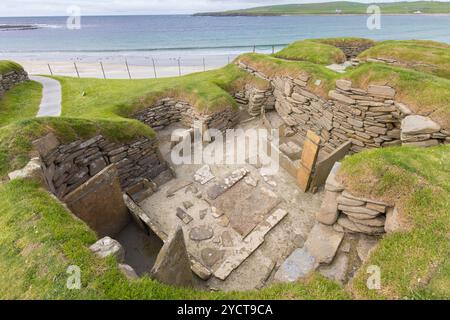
(74, 279)
(374, 19)
(73, 21)
(234, 147)
(374, 280)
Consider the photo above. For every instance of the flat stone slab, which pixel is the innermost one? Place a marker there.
(337, 270)
(246, 206)
(178, 185)
(365, 247)
(211, 256)
(415, 124)
(299, 265)
(201, 233)
(203, 175)
(323, 243)
(359, 228)
(249, 244)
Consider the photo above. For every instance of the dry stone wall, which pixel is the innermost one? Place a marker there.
(369, 118)
(10, 79)
(256, 100)
(168, 111)
(68, 166)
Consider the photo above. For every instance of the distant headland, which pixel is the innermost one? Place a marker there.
(338, 8)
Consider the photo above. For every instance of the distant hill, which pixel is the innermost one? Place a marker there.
(339, 7)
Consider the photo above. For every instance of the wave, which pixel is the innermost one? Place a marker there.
(19, 27)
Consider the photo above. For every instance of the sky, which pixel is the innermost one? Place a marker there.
(20, 8)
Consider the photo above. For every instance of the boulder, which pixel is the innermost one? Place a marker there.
(106, 247)
(323, 243)
(393, 221)
(172, 265)
(299, 265)
(328, 213)
(33, 171)
(415, 124)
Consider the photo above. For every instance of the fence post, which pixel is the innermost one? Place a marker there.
(128, 69)
(204, 65)
(154, 68)
(103, 70)
(273, 49)
(254, 48)
(76, 69)
(179, 66)
(50, 69)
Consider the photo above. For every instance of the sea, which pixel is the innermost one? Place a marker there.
(194, 38)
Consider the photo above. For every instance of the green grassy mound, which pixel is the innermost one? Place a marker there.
(312, 51)
(8, 66)
(425, 56)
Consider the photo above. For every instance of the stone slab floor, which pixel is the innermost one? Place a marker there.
(216, 230)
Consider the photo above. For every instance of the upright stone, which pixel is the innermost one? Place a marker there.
(323, 243)
(172, 265)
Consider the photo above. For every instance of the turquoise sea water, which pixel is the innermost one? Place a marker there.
(183, 35)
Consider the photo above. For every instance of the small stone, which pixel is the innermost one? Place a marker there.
(224, 221)
(191, 189)
(345, 247)
(381, 91)
(250, 181)
(201, 233)
(345, 85)
(128, 271)
(203, 213)
(358, 210)
(187, 204)
(215, 213)
(359, 228)
(376, 207)
(415, 124)
(375, 222)
(106, 247)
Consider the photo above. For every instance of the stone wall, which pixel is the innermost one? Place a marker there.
(255, 100)
(350, 214)
(369, 118)
(168, 111)
(352, 51)
(10, 79)
(68, 166)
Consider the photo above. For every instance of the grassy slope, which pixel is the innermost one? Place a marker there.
(20, 102)
(8, 66)
(345, 6)
(425, 56)
(206, 91)
(418, 181)
(312, 51)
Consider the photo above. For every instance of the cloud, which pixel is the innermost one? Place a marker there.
(105, 7)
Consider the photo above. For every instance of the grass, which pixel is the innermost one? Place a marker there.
(312, 51)
(346, 41)
(113, 99)
(20, 102)
(413, 263)
(8, 66)
(425, 56)
(346, 7)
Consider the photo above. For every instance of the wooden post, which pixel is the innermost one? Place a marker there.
(154, 67)
(76, 69)
(273, 49)
(128, 69)
(308, 161)
(179, 66)
(254, 48)
(204, 65)
(103, 70)
(50, 69)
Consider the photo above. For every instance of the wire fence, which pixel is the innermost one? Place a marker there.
(144, 67)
